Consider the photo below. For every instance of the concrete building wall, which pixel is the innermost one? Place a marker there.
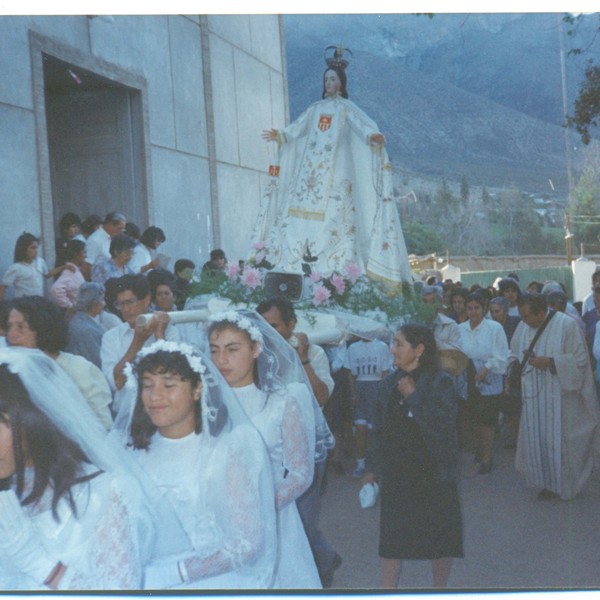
(247, 82)
(208, 86)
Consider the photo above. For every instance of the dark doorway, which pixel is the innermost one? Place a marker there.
(95, 131)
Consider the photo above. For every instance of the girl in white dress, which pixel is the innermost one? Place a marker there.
(73, 515)
(269, 381)
(190, 435)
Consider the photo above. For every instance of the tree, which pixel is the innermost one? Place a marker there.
(585, 208)
(421, 239)
(460, 220)
(485, 197)
(464, 188)
(587, 103)
(524, 234)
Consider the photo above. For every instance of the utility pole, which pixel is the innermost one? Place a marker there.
(569, 239)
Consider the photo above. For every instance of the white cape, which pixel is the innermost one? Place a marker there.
(334, 194)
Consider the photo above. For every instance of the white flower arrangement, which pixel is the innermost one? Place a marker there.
(191, 356)
(240, 321)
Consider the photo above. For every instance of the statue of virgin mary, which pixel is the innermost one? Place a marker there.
(330, 198)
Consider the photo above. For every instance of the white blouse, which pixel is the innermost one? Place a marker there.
(486, 346)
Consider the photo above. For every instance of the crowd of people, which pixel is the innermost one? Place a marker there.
(219, 443)
(144, 455)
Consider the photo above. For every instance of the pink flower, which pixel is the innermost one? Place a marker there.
(232, 270)
(259, 257)
(338, 283)
(353, 271)
(251, 277)
(259, 245)
(315, 276)
(320, 295)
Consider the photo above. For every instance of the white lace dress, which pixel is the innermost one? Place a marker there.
(99, 546)
(286, 423)
(216, 489)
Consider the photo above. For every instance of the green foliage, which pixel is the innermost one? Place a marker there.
(221, 285)
(464, 188)
(363, 297)
(587, 105)
(553, 240)
(421, 239)
(585, 207)
(478, 223)
(523, 229)
(376, 300)
(445, 199)
(486, 199)
(460, 220)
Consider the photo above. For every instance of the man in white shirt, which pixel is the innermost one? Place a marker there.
(98, 244)
(280, 314)
(121, 344)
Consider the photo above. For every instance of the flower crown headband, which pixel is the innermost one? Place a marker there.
(194, 361)
(239, 321)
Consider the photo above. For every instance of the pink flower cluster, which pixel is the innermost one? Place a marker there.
(334, 283)
(321, 295)
(232, 270)
(251, 277)
(338, 283)
(261, 252)
(353, 271)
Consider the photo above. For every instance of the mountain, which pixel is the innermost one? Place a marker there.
(479, 95)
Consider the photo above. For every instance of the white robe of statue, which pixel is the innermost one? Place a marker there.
(334, 193)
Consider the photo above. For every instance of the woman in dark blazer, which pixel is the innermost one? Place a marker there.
(413, 452)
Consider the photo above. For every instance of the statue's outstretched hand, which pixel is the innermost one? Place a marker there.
(377, 139)
(270, 135)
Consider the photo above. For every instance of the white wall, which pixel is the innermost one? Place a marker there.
(247, 95)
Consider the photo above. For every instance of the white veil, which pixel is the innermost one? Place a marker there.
(55, 394)
(279, 367)
(228, 436)
(221, 411)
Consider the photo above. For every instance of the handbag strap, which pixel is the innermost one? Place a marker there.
(536, 337)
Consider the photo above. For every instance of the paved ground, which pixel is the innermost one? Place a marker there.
(512, 540)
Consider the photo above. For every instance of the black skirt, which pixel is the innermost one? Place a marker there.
(420, 514)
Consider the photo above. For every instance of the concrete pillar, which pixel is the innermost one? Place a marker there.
(583, 268)
(451, 272)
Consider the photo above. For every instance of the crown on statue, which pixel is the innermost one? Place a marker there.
(336, 58)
